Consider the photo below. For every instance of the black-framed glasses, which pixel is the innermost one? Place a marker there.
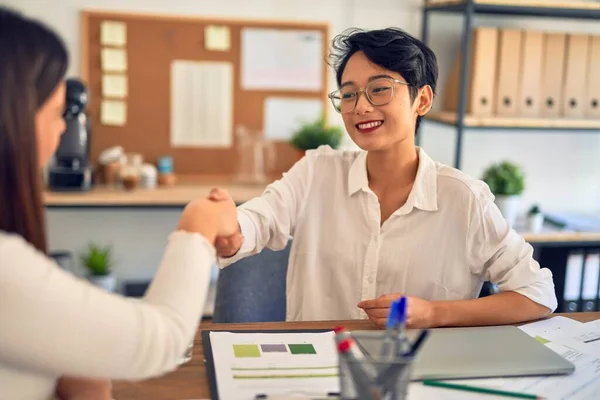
(379, 92)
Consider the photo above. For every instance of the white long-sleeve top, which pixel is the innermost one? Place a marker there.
(54, 324)
(442, 244)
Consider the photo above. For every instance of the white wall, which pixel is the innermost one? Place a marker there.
(563, 168)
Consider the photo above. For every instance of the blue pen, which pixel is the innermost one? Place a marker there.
(388, 345)
(403, 343)
(418, 343)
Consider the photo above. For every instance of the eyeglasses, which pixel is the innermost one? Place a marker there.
(379, 92)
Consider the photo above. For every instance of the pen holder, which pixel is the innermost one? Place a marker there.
(373, 378)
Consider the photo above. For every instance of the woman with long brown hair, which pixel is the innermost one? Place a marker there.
(53, 324)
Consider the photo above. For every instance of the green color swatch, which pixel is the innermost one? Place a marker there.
(541, 339)
(246, 350)
(302, 349)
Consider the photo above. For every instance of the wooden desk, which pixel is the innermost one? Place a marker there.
(190, 381)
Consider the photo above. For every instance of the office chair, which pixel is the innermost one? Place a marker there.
(253, 289)
(488, 289)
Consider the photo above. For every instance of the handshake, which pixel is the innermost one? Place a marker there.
(215, 218)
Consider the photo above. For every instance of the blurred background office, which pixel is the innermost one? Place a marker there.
(530, 92)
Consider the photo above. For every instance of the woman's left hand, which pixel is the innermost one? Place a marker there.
(69, 388)
(420, 313)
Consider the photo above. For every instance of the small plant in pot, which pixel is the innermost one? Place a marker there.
(535, 219)
(507, 182)
(98, 262)
(314, 134)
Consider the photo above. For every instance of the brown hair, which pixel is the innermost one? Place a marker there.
(33, 63)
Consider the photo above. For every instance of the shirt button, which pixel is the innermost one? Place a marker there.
(370, 280)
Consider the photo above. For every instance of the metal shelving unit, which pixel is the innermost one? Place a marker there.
(573, 9)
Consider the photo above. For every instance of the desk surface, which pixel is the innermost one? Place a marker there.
(190, 381)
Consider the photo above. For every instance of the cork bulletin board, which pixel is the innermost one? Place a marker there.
(153, 44)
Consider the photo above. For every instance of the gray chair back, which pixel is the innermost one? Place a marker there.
(253, 289)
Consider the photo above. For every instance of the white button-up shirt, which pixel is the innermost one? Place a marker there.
(442, 244)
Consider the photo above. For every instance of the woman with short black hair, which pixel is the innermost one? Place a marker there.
(372, 225)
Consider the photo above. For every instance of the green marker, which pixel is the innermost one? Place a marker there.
(476, 389)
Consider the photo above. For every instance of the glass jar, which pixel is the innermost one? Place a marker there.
(131, 169)
(255, 154)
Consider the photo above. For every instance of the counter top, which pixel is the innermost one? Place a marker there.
(186, 189)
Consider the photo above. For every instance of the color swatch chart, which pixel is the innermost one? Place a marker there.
(247, 364)
(255, 350)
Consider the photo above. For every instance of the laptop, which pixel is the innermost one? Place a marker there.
(481, 352)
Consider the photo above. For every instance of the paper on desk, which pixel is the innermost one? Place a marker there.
(583, 384)
(418, 391)
(583, 337)
(247, 364)
(544, 329)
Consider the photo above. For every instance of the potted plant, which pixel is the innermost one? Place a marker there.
(506, 180)
(98, 262)
(535, 219)
(314, 134)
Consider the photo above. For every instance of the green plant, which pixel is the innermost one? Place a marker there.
(505, 179)
(534, 210)
(314, 134)
(97, 259)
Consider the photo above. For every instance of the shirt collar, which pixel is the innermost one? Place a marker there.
(423, 194)
(357, 176)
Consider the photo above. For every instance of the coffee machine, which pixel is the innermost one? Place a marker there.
(71, 169)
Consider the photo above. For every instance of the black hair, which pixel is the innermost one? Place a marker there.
(392, 49)
(33, 63)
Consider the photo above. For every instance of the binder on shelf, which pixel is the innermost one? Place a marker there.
(592, 95)
(509, 63)
(573, 281)
(531, 74)
(575, 76)
(482, 77)
(552, 74)
(591, 276)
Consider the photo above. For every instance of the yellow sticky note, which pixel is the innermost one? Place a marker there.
(114, 86)
(217, 38)
(113, 112)
(113, 33)
(114, 60)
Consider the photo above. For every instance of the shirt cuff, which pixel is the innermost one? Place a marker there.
(247, 229)
(248, 232)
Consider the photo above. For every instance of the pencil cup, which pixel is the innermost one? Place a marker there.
(370, 377)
